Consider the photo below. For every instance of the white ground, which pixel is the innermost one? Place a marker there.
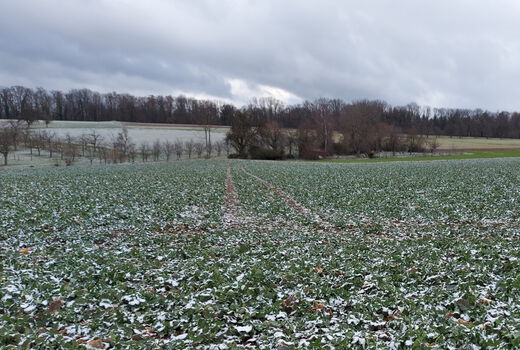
(140, 135)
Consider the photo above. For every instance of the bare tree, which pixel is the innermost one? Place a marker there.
(271, 140)
(322, 115)
(291, 143)
(433, 144)
(156, 150)
(306, 141)
(93, 141)
(103, 152)
(415, 142)
(199, 148)
(68, 150)
(30, 141)
(360, 126)
(50, 143)
(144, 148)
(6, 99)
(219, 146)
(168, 150)
(26, 136)
(209, 117)
(209, 149)
(43, 105)
(394, 142)
(83, 141)
(227, 147)
(6, 142)
(16, 131)
(22, 97)
(121, 144)
(189, 145)
(39, 141)
(242, 132)
(179, 149)
(132, 152)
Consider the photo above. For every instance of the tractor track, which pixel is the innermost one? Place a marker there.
(291, 202)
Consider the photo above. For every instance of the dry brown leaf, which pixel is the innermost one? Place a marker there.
(96, 343)
(54, 306)
(317, 307)
(290, 302)
(392, 317)
(490, 296)
(389, 318)
(484, 301)
(485, 326)
(464, 322)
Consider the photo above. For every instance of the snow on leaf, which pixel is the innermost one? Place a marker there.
(244, 329)
(179, 337)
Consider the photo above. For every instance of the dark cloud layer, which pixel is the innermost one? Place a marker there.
(463, 53)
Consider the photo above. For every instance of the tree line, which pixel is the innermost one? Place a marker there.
(18, 102)
(267, 128)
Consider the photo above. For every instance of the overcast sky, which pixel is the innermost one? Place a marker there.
(443, 53)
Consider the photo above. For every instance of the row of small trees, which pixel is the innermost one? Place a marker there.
(125, 150)
(15, 135)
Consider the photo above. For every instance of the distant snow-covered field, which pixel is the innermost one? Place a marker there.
(138, 133)
(142, 135)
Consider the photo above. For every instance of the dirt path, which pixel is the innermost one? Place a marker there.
(237, 217)
(234, 216)
(290, 201)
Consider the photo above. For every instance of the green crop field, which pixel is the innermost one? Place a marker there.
(243, 254)
(421, 157)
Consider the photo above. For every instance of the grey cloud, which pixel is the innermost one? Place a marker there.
(445, 53)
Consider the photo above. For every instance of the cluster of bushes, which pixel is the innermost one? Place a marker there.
(357, 132)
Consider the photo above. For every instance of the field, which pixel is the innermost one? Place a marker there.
(138, 132)
(428, 157)
(242, 254)
(476, 143)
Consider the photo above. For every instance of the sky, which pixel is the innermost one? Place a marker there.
(443, 53)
